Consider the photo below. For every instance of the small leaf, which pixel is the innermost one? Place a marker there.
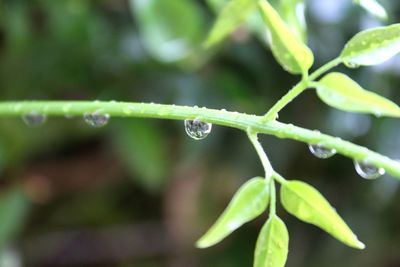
(171, 30)
(233, 14)
(373, 7)
(272, 244)
(307, 204)
(248, 203)
(289, 51)
(293, 13)
(372, 46)
(14, 209)
(339, 91)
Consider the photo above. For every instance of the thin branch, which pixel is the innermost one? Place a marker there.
(306, 82)
(261, 153)
(219, 117)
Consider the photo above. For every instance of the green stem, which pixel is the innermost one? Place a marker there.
(261, 154)
(272, 197)
(331, 64)
(272, 114)
(279, 178)
(220, 117)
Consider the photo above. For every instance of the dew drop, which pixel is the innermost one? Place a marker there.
(352, 65)
(368, 171)
(321, 152)
(34, 119)
(96, 119)
(197, 129)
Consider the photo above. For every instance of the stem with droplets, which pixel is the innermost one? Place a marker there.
(307, 81)
(219, 117)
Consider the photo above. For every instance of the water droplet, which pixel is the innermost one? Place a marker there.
(352, 65)
(34, 119)
(96, 119)
(197, 129)
(368, 171)
(321, 152)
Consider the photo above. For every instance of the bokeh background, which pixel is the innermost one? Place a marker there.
(140, 192)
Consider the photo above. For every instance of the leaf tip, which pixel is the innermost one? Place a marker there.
(359, 245)
(201, 243)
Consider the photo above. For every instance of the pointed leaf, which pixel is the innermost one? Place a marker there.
(339, 91)
(372, 46)
(307, 204)
(233, 14)
(272, 244)
(373, 7)
(288, 50)
(248, 203)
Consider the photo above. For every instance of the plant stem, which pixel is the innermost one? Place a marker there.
(272, 114)
(298, 89)
(272, 197)
(331, 64)
(261, 154)
(219, 117)
(279, 178)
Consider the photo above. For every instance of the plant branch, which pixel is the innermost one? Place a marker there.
(219, 117)
(272, 114)
(261, 153)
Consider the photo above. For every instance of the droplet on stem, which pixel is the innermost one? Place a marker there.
(197, 129)
(96, 119)
(368, 171)
(321, 152)
(34, 119)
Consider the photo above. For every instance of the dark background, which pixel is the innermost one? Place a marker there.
(140, 192)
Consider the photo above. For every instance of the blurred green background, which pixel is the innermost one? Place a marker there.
(140, 192)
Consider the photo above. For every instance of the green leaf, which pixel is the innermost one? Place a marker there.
(272, 244)
(287, 48)
(14, 208)
(143, 149)
(307, 204)
(372, 47)
(373, 7)
(339, 91)
(171, 30)
(232, 15)
(293, 13)
(248, 203)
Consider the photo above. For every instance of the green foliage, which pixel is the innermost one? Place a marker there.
(232, 15)
(340, 91)
(372, 47)
(373, 7)
(171, 30)
(289, 51)
(272, 244)
(307, 204)
(248, 203)
(293, 13)
(14, 207)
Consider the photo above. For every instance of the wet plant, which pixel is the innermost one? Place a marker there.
(259, 194)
